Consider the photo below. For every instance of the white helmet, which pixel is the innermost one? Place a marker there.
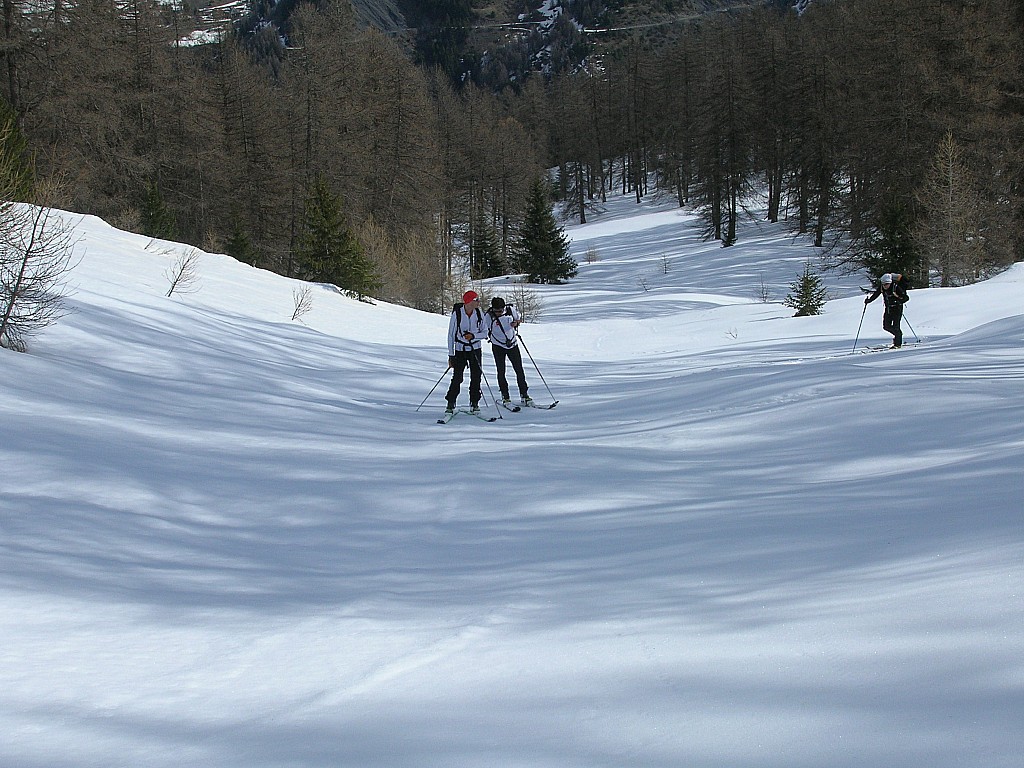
(886, 279)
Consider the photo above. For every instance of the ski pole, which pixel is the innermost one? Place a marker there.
(536, 366)
(911, 328)
(863, 312)
(433, 388)
(474, 361)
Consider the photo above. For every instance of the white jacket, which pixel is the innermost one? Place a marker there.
(501, 330)
(462, 324)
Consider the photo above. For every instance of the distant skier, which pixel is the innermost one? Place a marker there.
(502, 329)
(466, 332)
(894, 296)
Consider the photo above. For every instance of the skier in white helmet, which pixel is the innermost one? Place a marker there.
(894, 296)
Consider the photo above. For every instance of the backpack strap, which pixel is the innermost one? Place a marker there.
(457, 310)
(496, 319)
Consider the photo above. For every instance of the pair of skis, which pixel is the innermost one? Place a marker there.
(885, 347)
(507, 406)
(448, 416)
(517, 408)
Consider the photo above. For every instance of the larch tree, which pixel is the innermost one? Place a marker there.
(950, 232)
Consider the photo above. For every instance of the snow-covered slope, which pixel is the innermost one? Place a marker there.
(229, 538)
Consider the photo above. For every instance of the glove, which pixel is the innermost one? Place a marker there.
(867, 301)
(451, 361)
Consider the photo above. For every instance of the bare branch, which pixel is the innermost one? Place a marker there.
(183, 274)
(303, 301)
(36, 250)
(527, 301)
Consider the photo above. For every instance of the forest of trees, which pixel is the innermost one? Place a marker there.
(889, 132)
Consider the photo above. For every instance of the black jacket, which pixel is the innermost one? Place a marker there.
(893, 296)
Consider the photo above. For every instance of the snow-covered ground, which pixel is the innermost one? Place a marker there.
(228, 539)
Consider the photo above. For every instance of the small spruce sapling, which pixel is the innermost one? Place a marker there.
(807, 294)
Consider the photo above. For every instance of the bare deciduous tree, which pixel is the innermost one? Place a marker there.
(36, 252)
(183, 274)
(527, 302)
(303, 301)
(951, 231)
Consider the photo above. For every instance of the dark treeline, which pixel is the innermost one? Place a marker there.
(230, 145)
(891, 132)
(888, 131)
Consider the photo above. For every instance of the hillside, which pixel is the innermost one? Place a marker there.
(385, 15)
(463, 38)
(231, 539)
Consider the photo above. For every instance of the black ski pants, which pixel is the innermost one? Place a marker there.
(473, 359)
(514, 356)
(891, 319)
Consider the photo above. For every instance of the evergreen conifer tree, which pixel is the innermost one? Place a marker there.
(239, 245)
(15, 160)
(443, 30)
(807, 294)
(157, 220)
(892, 245)
(542, 247)
(328, 251)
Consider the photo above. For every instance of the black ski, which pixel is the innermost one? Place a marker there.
(509, 406)
(885, 347)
